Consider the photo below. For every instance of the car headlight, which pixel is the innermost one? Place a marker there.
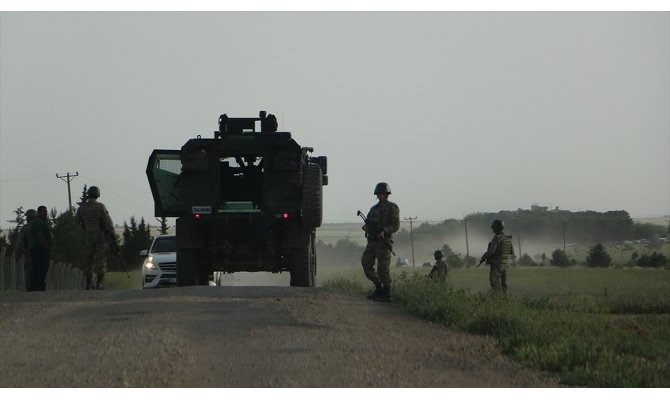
(149, 263)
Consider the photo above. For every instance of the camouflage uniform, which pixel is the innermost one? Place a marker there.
(95, 220)
(439, 271)
(386, 216)
(498, 253)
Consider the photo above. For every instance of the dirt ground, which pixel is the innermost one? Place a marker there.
(237, 337)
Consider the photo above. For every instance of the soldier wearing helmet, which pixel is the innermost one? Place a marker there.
(439, 271)
(22, 250)
(497, 256)
(97, 224)
(383, 220)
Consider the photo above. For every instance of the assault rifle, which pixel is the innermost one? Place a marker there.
(374, 232)
(117, 253)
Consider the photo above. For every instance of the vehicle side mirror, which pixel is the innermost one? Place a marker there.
(144, 253)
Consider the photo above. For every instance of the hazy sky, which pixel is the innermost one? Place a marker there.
(458, 111)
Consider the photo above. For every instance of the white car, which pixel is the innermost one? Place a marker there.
(160, 267)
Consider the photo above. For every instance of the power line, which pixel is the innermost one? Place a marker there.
(67, 179)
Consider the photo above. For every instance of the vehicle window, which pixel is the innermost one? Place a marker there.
(165, 245)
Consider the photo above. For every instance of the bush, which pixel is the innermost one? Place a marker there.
(559, 259)
(598, 257)
(454, 261)
(526, 261)
(655, 260)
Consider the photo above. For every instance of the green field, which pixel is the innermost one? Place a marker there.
(594, 327)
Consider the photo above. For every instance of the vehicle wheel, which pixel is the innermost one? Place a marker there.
(187, 263)
(312, 196)
(191, 268)
(303, 266)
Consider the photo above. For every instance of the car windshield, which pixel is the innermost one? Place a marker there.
(164, 245)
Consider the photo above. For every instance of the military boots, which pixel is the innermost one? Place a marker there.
(378, 291)
(385, 295)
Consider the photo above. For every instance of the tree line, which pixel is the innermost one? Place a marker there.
(69, 245)
(548, 226)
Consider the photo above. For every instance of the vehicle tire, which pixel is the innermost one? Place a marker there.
(312, 196)
(187, 267)
(303, 265)
(191, 268)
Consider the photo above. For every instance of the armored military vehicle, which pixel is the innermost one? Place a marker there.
(247, 199)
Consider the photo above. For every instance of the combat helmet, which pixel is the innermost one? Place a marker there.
(382, 187)
(438, 254)
(497, 225)
(93, 192)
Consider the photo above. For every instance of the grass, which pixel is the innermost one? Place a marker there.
(560, 321)
(120, 281)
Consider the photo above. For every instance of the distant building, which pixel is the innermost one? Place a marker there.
(537, 207)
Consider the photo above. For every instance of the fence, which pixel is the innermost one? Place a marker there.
(59, 277)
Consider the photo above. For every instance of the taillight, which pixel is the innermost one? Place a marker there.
(197, 216)
(284, 215)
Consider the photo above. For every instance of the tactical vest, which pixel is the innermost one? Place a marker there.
(382, 216)
(503, 250)
(91, 216)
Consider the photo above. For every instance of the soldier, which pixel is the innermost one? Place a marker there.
(40, 244)
(498, 253)
(95, 220)
(382, 221)
(22, 247)
(439, 271)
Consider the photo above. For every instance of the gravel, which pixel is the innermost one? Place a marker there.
(237, 337)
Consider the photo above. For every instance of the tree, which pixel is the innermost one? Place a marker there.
(655, 260)
(598, 257)
(19, 220)
(53, 214)
(84, 196)
(454, 261)
(135, 239)
(446, 250)
(526, 261)
(559, 259)
(164, 227)
(143, 235)
(69, 245)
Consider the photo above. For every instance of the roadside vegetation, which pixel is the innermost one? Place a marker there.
(596, 328)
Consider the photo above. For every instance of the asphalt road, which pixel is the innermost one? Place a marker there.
(232, 337)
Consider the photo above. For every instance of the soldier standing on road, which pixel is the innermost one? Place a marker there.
(41, 240)
(498, 253)
(22, 248)
(439, 271)
(383, 220)
(97, 224)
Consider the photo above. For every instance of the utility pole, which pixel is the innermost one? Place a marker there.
(467, 246)
(411, 236)
(67, 179)
(563, 237)
(518, 236)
